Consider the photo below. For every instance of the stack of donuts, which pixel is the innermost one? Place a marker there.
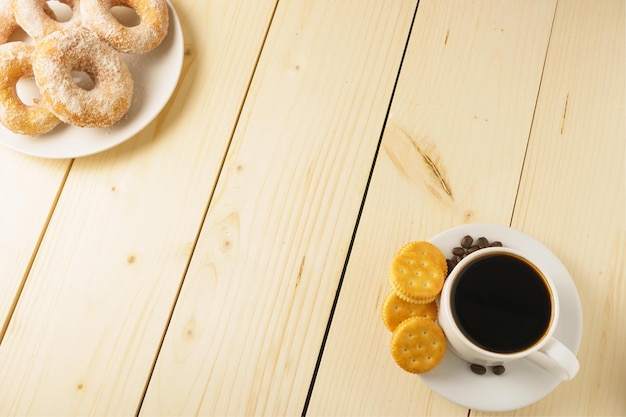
(90, 42)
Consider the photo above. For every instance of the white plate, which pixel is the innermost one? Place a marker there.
(523, 383)
(155, 76)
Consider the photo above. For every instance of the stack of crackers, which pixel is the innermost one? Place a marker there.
(416, 276)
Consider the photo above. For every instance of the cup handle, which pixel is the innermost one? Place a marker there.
(557, 359)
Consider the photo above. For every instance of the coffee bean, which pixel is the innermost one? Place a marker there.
(467, 241)
(467, 247)
(498, 370)
(451, 264)
(482, 242)
(472, 249)
(458, 251)
(478, 369)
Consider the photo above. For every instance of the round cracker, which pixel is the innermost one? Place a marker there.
(415, 275)
(418, 345)
(423, 248)
(395, 310)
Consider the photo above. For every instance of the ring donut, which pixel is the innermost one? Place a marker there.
(38, 20)
(147, 35)
(16, 62)
(79, 49)
(7, 21)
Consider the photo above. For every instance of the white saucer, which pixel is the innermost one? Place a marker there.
(155, 75)
(523, 383)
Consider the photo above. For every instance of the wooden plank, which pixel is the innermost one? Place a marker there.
(28, 191)
(468, 86)
(247, 329)
(86, 332)
(573, 194)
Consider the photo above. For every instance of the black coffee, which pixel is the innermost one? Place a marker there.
(501, 303)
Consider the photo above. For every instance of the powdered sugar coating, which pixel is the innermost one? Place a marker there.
(37, 19)
(152, 29)
(15, 61)
(7, 21)
(79, 49)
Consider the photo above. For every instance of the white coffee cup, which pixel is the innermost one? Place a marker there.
(497, 306)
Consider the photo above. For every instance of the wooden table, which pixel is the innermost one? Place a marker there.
(231, 258)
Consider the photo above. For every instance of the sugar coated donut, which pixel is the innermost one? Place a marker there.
(38, 20)
(16, 63)
(148, 34)
(7, 21)
(79, 49)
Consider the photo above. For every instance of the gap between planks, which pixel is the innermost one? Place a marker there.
(532, 120)
(31, 261)
(358, 219)
(206, 211)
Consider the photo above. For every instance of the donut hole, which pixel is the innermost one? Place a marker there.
(27, 91)
(126, 16)
(58, 11)
(83, 80)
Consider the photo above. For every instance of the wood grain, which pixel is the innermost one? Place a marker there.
(193, 270)
(28, 193)
(579, 134)
(247, 329)
(91, 317)
(452, 153)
